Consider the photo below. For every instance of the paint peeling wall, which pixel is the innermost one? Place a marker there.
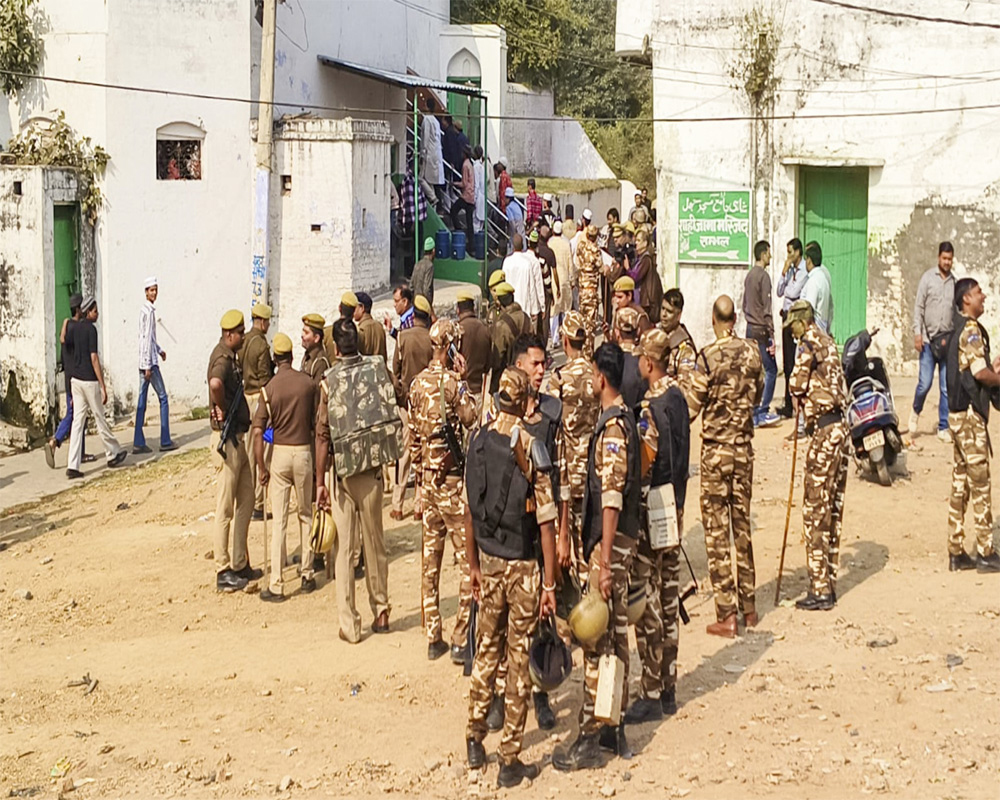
(932, 176)
(329, 217)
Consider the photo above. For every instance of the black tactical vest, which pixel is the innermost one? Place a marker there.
(670, 413)
(545, 430)
(593, 513)
(498, 494)
(633, 386)
(963, 389)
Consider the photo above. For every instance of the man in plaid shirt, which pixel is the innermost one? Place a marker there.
(532, 204)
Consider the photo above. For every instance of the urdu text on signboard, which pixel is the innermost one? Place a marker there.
(713, 227)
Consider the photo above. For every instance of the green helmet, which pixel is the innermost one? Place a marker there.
(800, 311)
(589, 618)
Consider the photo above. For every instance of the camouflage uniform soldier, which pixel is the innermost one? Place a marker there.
(572, 384)
(681, 361)
(726, 386)
(439, 397)
(613, 485)
(589, 262)
(972, 380)
(665, 432)
(817, 380)
(505, 578)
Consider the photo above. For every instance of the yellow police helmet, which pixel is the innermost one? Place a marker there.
(589, 618)
(322, 532)
(636, 603)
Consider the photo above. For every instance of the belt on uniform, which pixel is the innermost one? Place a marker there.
(829, 418)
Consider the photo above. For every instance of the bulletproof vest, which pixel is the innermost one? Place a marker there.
(498, 494)
(365, 429)
(963, 388)
(545, 430)
(633, 386)
(628, 520)
(670, 413)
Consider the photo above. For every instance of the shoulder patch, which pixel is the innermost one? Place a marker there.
(613, 447)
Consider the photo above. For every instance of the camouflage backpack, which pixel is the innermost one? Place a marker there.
(365, 429)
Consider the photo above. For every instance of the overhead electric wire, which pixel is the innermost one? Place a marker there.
(967, 23)
(513, 118)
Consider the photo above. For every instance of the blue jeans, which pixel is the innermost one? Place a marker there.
(926, 380)
(66, 423)
(156, 380)
(770, 377)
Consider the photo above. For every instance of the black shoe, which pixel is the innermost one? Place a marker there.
(584, 753)
(990, 563)
(138, 450)
(512, 774)
(258, 515)
(960, 562)
(229, 581)
(816, 602)
(458, 654)
(170, 446)
(668, 702)
(786, 412)
(612, 739)
(476, 754)
(308, 585)
(271, 597)
(435, 650)
(249, 573)
(319, 563)
(643, 710)
(359, 572)
(73, 473)
(494, 720)
(118, 459)
(543, 711)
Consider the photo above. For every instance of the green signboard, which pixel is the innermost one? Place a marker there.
(713, 227)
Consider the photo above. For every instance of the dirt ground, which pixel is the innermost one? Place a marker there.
(204, 695)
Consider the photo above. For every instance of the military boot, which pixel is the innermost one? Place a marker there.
(960, 562)
(644, 710)
(612, 738)
(543, 711)
(815, 602)
(476, 753)
(494, 720)
(990, 563)
(513, 773)
(668, 702)
(584, 753)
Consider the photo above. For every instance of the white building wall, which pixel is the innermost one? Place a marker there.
(938, 180)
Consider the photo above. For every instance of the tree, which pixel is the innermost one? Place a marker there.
(20, 47)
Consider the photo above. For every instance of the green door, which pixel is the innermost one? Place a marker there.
(66, 256)
(833, 210)
(466, 108)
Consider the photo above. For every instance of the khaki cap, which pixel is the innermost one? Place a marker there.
(503, 288)
(464, 296)
(349, 299)
(421, 304)
(625, 284)
(497, 276)
(655, 343)
(282, 345)
(231, 320)
(261, 311)
(799, 310)
(514, 386)
(627, 320)
(444, 332)
(314, 321)
(630, 227)
(574, 325)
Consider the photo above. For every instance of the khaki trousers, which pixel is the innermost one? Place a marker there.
(291, 467)
(402, 466)
(234, 504)
(87, 397)
(258, 490)
(358, 496)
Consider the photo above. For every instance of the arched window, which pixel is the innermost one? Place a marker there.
(178, 151)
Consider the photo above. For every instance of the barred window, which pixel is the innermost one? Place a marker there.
(178, 152)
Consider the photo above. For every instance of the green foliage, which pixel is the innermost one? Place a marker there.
(55, 144)
(570, 48)
(753, 67)
(20, 47)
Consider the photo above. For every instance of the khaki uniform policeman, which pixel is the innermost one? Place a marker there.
(505, 576)
(288, 405)
(255, 361)
(511, 323)
(725, 388)
(371, 335)
(656, 632)
(347, 309)
(438, 396)
(497, 277)
(817, 380)
(234, 502)
(477, 344)
(589, 262)
(572, 384)
(315, 361)
(355, 501)
(681, 361)
(613, 484)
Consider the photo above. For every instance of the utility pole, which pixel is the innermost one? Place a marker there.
(262, 173)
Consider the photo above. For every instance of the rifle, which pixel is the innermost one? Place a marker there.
(689, 592)
(470, 640)
(230, 420)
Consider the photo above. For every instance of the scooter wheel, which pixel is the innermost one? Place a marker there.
(882, 470)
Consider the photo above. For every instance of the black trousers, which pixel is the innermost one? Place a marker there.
(456, 209)
(787, 358)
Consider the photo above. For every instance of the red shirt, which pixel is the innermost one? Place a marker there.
(502, 190)
(532, 206)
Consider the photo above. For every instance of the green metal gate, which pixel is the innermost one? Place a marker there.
(65, 239)
(468, 108)
(833, 210)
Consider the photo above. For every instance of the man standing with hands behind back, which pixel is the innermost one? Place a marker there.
(933, 321)
(790, 285)
(760, 327)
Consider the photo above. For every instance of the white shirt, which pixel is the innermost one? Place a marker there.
(149, 350)
(432, 166)
(479, 214)
(819, 292)
(524, 274)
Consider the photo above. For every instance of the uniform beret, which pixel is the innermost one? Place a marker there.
(349, 299)
(282, 345)
(503, 288)
(261, 311)
(314, 321)
(625, 284)
(421, 304)
(497, 276)
(464, 296)
(232, 319)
